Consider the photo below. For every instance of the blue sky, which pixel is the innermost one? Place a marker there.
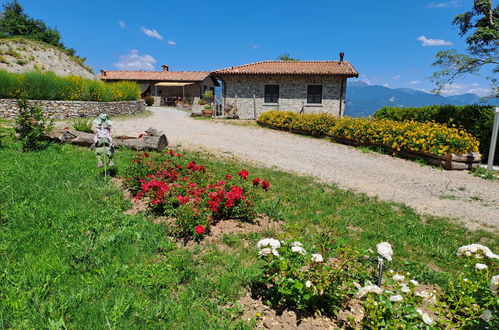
(390, 42)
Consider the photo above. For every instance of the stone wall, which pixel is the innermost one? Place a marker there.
(71, 109)
(247, 92)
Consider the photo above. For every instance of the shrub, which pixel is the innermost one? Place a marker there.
(178, 187)
(83, 125)
(32, 126)
(208, 95)
(428, 138)
(207, 107)
(201, 102)
(475, 119)
(47, 86)
(149, 100)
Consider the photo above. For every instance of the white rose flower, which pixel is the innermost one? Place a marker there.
(476, 250)
(265, 252)
(481, 266)
(398, 278)
(296, 243)
(426, 318)
(494, 284)
(273, 243)
(369, 288)
(385, 250)
(404, 288)
(274, 252)
(308, 284)
(486, 315)
(298, 249)
(396, 298)
(416, 283)
(317, 257)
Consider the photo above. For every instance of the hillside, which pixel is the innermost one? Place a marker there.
(363, 99)
(22, 55)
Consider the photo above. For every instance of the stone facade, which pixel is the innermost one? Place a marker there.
(247, 93)
(71, 109)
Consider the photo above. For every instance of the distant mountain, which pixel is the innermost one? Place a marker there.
(363, 99)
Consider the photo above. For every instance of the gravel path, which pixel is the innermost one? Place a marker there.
(457, 195)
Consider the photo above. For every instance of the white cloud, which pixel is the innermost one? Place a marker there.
(385, 85)
(458, 89)
(152, 33)
(392, 99)
(396, 77)
(171, 42)
(448, 4)
(255, 46)
(122, 24)
(414, 82)
(433, 42)
(134, 61)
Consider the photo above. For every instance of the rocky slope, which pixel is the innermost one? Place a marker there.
(23, 55)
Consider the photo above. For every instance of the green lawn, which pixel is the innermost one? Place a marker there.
(70, 257)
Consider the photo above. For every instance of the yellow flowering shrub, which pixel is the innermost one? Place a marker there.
(48, 86)
(429, 138)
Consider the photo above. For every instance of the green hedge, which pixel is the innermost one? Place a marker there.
(48, 86)
(475, 119)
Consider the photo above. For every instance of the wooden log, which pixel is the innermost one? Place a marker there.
(146, 142)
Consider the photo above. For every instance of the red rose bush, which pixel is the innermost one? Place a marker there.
(178, 187)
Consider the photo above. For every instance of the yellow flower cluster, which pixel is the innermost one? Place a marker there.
(429, 138)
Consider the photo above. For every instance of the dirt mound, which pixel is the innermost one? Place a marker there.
(23, 55)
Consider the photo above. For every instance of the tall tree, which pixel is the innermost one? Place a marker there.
(286, 57)
(14, 22)
(480, 25)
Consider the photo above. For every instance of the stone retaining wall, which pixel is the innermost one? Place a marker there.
(71, 109)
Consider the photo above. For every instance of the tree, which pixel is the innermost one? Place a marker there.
(16, 23)
(480, 25)
(285, 57)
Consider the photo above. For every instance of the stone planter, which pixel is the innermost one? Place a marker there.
(207, 112)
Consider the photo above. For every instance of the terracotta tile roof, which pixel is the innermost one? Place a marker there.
(154, 75)
(292, 68)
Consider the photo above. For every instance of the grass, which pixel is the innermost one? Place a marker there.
(71, 257)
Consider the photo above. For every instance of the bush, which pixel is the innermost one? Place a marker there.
(48, 86)
(207, 107)
(149, 100)
(178, 187)
(474, 119)
(32, 126)
(428, 138)
(82, 125)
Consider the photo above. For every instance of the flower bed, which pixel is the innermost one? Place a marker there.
(178, 187)
(447, 146)
(293, 278)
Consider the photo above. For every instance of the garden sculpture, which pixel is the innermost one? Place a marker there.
(103, 141)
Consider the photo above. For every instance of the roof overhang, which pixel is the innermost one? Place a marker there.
(172, 84)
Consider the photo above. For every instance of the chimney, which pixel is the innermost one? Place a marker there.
(103, 73)
(165, 67)
(341, 57)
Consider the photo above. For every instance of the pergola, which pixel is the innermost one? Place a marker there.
(174, 84)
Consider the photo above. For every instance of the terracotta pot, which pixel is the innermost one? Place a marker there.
(207, 112)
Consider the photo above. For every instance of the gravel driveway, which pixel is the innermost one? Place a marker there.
(458, 195)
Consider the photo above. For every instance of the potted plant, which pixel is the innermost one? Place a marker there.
(201, 102)
(208, 110)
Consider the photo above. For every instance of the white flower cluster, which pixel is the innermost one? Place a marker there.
(297, 247)
(368, 288)
(494, 284)
(317, 257)
(385, 250)
(477, 251)
(426, 318)
(481, 266)
(268, 246)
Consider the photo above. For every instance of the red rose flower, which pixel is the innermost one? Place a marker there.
(199, 229)
(265, 184)
(243, 174)
(256, 182)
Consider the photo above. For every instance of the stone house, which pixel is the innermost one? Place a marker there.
(299, 86)
(166, 86)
